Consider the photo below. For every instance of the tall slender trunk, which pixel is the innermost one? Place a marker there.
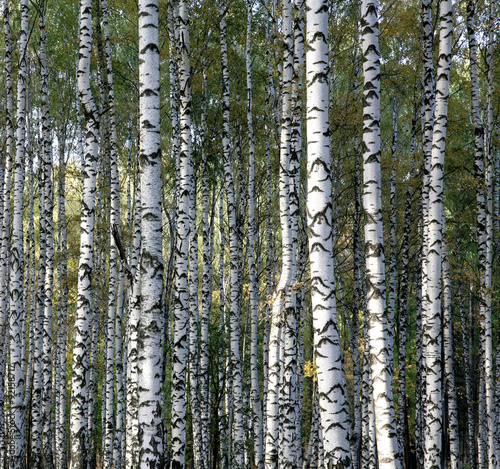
(151, 262)
(234, 256)
(484, 231)
(449, 373)
(134, 313)
(379, 335)
(403, 309)
(181, 292)
(328, 351)
(48, 460)
(255, 401)
(5, 226)
(62, 313)
(393, 250)
(428, 106)
(84, 309)
(194, 363)
(206, 286)
(17, 456)
(431, 321)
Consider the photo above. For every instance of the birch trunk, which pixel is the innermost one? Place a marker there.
(234, 256)
(181, 292)
(134, 314)
(151, 263)
(17, 447)
(79, 388)
(379, 335)
(403, 310)
(258, 458)
(5, 226)
(206, 288)
(484, 229)
(47, 424)
(431, 320)
(331, 382)
(449, 373)
(62, 313)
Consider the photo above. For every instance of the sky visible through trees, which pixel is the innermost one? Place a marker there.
(249, 234)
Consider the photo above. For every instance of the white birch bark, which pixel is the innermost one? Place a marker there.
(131, 398)
(358, 296)
(223, 360)
(403, 310)
(255, 402)
(79, 387)
(194, 362)
(234, 256)
(116, 279)
(393, 254)
(206, 285)
(181, 292)
(62, 312)
(485, 245)
(151, 264)
(379, 335)
(17, 447)
(470, 447)
(449, 373)
(5, 226)
(419, 385)
(431, 321)
(328, 352)
(368, 456)
(47, 461)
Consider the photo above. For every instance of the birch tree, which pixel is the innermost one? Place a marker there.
(79, 387)
(431, 321)
(48, 461)
(151, 263)
(334, 410)
(252, 267)
(484, 242)
(181, 292)
(17, 447)
(234, 257)
(6, 219)
(379, 336)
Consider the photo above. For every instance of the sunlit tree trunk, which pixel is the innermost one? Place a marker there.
(379, 335)
(332, 388)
